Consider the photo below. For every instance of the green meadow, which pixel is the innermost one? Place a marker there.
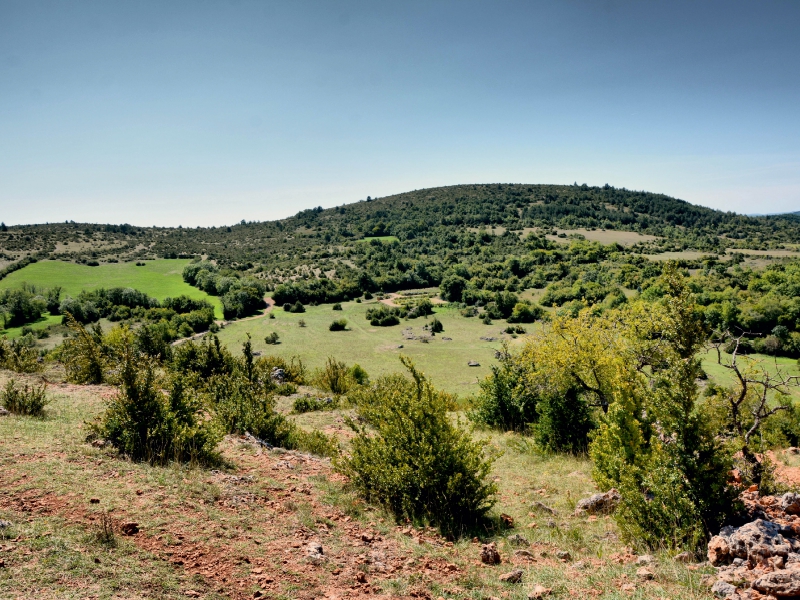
(158, 278)
(377, 348)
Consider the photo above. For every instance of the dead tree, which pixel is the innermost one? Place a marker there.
(754, 388)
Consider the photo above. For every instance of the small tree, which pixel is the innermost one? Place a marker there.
(414, 460)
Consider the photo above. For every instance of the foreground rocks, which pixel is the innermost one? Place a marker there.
(761, 557)
(598, 504)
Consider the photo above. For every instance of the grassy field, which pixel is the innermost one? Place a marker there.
(380, 238)
(377, 348)
(158, 278)
(241, 531)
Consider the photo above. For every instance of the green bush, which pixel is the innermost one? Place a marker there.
(16, 356)
(414, 460)
(27, 400)
(334, 377)
(436, 326)
(272, 338)
(82, 354)
(337, 306)
(338, 325)
(385, 316)
(503, 401)
(359, 375)
(146, 424)
(306, 404)
(564, 422)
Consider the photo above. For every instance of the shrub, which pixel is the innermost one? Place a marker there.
(337, 306)
(368, 296)
(414, 460)
(525, 313)
(272, 338)
(503, 401)
(305, 404)
(338, 325)
(28, 400)
(301, 323)
(19, 357)
(436, 326)
(564, 422)
(298, 307)
(315, 442)
(82, 354)
(385, 316)
(334, 377)
(146, 424)
(358, 375)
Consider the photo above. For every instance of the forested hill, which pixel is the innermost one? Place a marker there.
(434, 215)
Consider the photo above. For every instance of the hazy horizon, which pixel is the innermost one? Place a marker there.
(203, 113)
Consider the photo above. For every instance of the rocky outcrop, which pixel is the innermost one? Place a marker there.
(761, 557)
(598, 503)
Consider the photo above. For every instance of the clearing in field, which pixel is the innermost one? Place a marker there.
(157, 278)
(444, 357)
(604, 236)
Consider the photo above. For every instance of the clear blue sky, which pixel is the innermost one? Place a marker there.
(206, 113)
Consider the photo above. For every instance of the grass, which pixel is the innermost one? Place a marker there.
(376, 348)
(231, 533)
(43, 323)
(380, 238)
(158, 278)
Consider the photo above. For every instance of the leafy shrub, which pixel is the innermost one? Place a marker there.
(27, 400)
(305, 404)
(20, 306)
(337, 306)
(315, 442)
(338, 325)
(358, 375)
(271, 338)
(385, 316)
(334, 377)
(414, 460)
(436, 326)
(301, 323)
(503, 401)
(82, 354)
(17, 356)
(564, 422)
(145, 424)
(297, 307)
(525, 313)
(515, 329)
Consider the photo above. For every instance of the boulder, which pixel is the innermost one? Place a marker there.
(489, 554)
(644, 574)
(514, 576)
(518, 540)
(781, 584)
(315, 553)
(758, 541)
(790, 503)
(598, 503)
(645, 559)
(722, 589)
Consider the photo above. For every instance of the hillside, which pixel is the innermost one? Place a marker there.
(433, 215)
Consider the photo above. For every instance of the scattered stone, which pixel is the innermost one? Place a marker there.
(539, 591)
(758, 540)
(628, 587)
(782, 583)
(447, 339)
(518, 540)
(3, 412)
(473, 363)
(400, 346)
(278, 375)
(130, 528)
(507, 520)
(514, 576)
(5, 524)
(524, 554)
(544, 508)
(790, 503)
(644, 573)
(551, 524)
(563, 555)
(191, 594)
(361, 577)
(598, 503)
(315, 553)
(793, 450)
(684, 557)
(722, 589)
(489, 554)
(707, 580)
(580, 565)
(718, 551)
(645, 559)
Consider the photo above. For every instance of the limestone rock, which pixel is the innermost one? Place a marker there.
(759, 540)
(781, 584)
(598, 503)
(514, 576)
(790, 503)
(539, 591)
(644, 573)
(718, 551)
(518, 540)
(722, 589)
(489, 554)
(645, 559)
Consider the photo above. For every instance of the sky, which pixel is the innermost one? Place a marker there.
(204, 113)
